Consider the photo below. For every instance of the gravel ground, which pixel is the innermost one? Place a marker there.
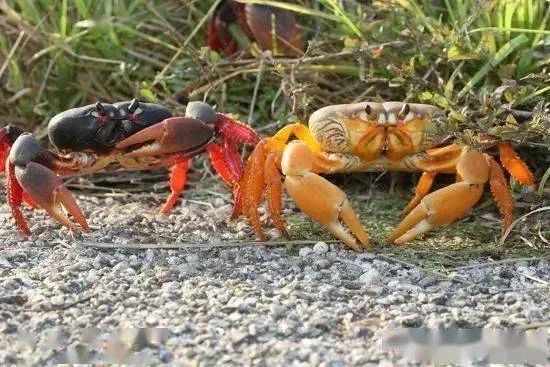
(318, 304)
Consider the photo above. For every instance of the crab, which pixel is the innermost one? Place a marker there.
(233, 24)
(124, 135)
(372, 137)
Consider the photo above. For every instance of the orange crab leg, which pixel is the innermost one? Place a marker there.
(274, 193)
(501, 192)
(514, 165)
(422, 189)
(252, 187)
(178, 179)
(445, 205)
(301, 132)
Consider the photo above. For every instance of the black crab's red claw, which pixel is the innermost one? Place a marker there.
(256, 22)
(184, 135)
(260, 19)
(29, 174)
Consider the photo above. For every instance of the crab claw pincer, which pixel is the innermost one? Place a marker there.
(183, 135)
(29, 173)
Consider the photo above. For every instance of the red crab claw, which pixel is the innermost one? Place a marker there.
(183, 135)
(28, 173)
(234, 25)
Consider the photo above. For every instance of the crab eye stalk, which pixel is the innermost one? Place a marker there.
(134, 105)
(404, 111)
(371, 114)
(100, 109)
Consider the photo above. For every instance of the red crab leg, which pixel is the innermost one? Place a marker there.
(218, 157)
(233, 158)
(178, 179)
(236, 130)
(14, 194)
(4, 147)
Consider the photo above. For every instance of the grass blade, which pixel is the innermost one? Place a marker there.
(501, 54)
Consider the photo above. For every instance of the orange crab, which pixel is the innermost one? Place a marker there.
(372, 137)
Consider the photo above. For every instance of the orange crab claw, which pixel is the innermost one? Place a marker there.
(183, 135)
(46, 189)
(319, 199)
(445, 205)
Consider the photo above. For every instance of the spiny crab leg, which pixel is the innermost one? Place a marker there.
(28, 177)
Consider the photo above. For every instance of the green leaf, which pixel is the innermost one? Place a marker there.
(504, 52)
(455, 53)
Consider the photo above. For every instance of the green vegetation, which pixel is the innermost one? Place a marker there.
(485, 62)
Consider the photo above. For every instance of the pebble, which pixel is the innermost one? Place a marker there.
(245, 305)
(305, 251)
(370, 277)
(320, 248)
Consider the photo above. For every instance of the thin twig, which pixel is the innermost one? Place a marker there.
(12, 52)
(494, 263)
(184, 245)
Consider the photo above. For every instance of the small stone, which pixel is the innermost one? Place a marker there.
(370, 277)
(166, 356)
(411, 320)
(151, 320)
(438, 298)
(305, 251)
(57, 301)
(320, 248)
(277, 310)
(4, 263)
(428, 281)
(510, 299)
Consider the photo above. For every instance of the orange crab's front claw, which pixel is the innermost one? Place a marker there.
(319, 199)
(444, 206)
(183, 135)
(29, 179)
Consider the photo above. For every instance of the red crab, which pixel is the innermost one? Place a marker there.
(233, 22)
(124, 135)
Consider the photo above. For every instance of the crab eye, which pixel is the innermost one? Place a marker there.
(371, 114)
(368, 110)
(405, 110)
(99, 110)
(134, 107)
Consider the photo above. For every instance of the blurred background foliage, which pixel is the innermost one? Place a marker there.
(485, 62)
